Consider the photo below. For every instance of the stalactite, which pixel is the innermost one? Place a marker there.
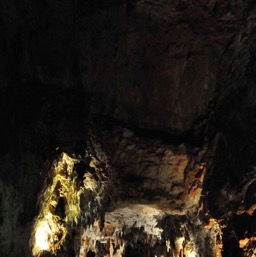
(62, 187)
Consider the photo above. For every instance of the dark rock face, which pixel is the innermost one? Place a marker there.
(166, 88)
(137, 54)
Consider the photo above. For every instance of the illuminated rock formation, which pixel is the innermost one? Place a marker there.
(127, 128)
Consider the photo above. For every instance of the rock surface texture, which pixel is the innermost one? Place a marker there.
(153, 103)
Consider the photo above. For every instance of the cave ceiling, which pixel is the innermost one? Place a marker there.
(128, 128)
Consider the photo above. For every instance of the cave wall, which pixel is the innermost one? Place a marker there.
(179, 75)
(135, 53)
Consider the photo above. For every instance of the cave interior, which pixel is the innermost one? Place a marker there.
(128, 128)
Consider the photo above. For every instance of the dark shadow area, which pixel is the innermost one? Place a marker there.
(90, 254)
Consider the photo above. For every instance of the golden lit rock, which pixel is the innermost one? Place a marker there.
(50, 229)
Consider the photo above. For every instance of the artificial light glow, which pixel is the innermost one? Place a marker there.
(248, 246)
(191, 254)
(136, 215)
(42, 236)
(168, 245)
(49, 234)
(179, 243)
(49, 229)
